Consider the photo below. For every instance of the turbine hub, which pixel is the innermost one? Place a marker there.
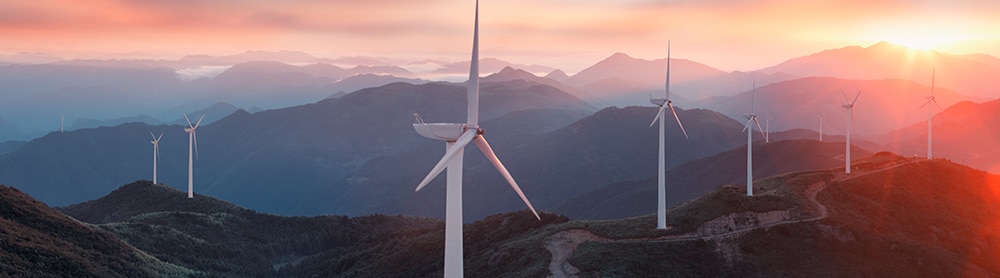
(659, 101)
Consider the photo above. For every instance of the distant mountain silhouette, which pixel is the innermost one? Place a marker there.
(965, 133)
(276, 155)
(80, 123)
(39, 241)
(972, 75)
(621, 80)
(884, 105)
(614, 144)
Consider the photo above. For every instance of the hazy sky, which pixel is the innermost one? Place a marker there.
(567, 34)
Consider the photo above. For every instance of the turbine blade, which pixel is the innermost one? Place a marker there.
(194, 136)
(199, 121)
(448, 155)
(485, 148)
(856, 97)
(678, 120)
(938, 105)
(158, 137)
(746, 126)
(659, 113)
(845, 96)
(668, 72)
(758, 127)
(853, 125)
(188, 120)
(151, 135)
(929, 100)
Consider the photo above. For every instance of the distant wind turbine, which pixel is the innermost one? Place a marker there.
(457, 136)
(751, 118)
(661, 208)
(930, 110)
(767, 130)
(192, 150)
(62, 123)
(850, 121)
(156, 152)
(821, 116)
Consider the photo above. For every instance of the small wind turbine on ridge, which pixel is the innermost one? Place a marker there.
(751, 118)
(62, 123)
(457, 136)
(192, 150)
(821, 116)
(930, 99)
(156, 152)
(663, 103)
(850, 121)
(767, 129)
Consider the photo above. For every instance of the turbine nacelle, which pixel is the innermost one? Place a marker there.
(659, 101)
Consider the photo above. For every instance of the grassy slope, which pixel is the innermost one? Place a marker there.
(39, 241)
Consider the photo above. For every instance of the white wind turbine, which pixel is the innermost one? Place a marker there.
(850, 120)
(62, 123)
(821, 116)
(751, 118)
(457, 136)
(930, 109)
(156, 152)
(663, 103)
(192, 150)
(767, 130)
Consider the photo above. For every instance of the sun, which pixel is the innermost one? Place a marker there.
(918, 43)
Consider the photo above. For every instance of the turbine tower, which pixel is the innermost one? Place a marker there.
(930, 99)
(661, 208)
(821, 116)
(192, 150)
(767, 130)
(850, 120)
(751, 118)
(156, 152)
(457, 136)
(62, 123)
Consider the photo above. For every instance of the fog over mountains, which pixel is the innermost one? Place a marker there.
(334, 136)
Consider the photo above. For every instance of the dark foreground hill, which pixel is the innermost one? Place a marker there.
(221, 239)
(892, 216)
(38, 241)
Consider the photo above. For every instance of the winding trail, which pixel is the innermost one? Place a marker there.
(562, 244)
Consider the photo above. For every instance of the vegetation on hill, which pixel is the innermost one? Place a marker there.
(893, 216)
(38, 241)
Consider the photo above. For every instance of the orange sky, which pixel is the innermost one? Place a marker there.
(727, 34)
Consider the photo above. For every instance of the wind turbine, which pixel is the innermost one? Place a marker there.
(62, 123)
(661, 208)
(457, 136)
(751, 118)
(192, 150)
(767, 130)
(850, 120)
(156, 152)
(821, 116)
(930, 109)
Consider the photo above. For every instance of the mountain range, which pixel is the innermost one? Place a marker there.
(888, 218)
